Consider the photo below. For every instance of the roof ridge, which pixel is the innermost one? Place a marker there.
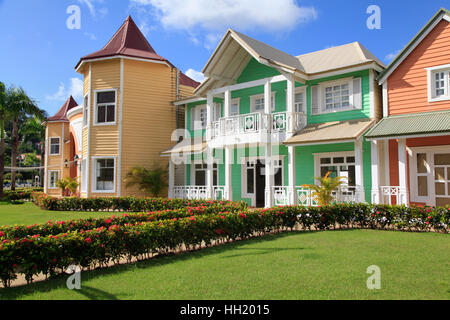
(316, 51)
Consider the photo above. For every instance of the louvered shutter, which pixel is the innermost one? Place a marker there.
(315, 100)
(357, 95)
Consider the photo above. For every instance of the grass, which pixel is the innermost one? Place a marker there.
(28, 213)
(297, 265)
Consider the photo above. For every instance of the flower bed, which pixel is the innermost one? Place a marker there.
(122, 204)
(109, 241)
(20, 194)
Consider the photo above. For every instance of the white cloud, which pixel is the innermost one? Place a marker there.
(75, 90)
(196, 75)
(90, 36)
(391, 55)
(91, 4)
(212, 40)
(216, 16)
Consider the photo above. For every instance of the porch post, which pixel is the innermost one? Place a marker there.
(228, 162)
(209, 110)
(375, 172)
(171, 178)
(209, 174)
(291, 167)
(359, 178)
(402, 173)
(290, 109)
(227, 104)
(269, 176)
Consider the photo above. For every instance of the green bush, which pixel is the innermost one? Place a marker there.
(20, 194)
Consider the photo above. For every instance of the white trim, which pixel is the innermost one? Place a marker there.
(413, 46)
(318, 143)
(50, 146)
(87, 107)
(95, 124)
(90, 106)
(331, 83)
(411, 136)
(337, 154)
(327, 74)
(431, 83)
(261, 96)
(75, 111)
(385, 99)
(121, 57)
(249, 84)
(49, 177)
(371, 93)
(119, 165)
(94, 172)
(189, 100)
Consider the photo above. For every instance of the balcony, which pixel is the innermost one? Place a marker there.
(255, 127)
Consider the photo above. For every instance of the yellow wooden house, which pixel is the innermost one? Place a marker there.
(126, 118)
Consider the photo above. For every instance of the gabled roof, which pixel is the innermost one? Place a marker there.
(186, 81)
(127, 41)
(61, 115)
(411, 124)
(333, 58)
(441, 14)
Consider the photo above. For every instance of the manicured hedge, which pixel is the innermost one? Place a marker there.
(121, 204)
(51, 254)
(57, 227)
(20, 194)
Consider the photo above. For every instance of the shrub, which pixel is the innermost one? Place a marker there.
(20, 194)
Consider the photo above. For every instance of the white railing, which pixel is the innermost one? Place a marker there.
(258, 122)
(304, 197)
(392, 195)
(198, 192)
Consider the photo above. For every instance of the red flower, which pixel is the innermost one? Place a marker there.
(88, 240)
(243, 216)
(2, 234)
(108, 221)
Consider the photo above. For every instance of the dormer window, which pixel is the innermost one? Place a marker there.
(105, 107)
(439, 83)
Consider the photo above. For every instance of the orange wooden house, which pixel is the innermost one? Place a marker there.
(415, 131)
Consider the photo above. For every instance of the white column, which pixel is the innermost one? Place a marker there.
(171, 178)
(269, 176)
(209, 173)
(209, 109)
(291, 169)
(227, 104)
(228, 162)
(267, 97)
(402, 173)
(290, 109)
(375, 173)
(359, 178)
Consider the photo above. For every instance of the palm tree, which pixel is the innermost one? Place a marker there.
(18, 104)
(149, 181)
(2, 135)
(32, 131)
(324, 191)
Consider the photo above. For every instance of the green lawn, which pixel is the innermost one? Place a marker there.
(28, 213)
(298, 265)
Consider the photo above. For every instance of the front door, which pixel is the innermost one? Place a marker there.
(260, 184)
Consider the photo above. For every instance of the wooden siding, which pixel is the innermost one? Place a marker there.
(148, 116)
(56, 162)
(408, 84)
(185, 92)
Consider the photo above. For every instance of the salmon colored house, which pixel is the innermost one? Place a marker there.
(415, 131)
(125, 120)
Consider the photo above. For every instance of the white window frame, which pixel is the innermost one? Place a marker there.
(85, 110)
(50, 146)
(216, 111)
(58, 172)
(112, 123)
(431, 81)
(193, 170)
(303, 91)
(94, 174)
(261, 96)
(430, 152)
(237, 102)
(322, 93)
(244, 161)
(195, 121)
(318, 156)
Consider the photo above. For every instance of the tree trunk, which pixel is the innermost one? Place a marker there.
(14, 147)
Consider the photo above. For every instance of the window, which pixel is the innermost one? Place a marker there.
(106, 107)
(53, 177)
(339, 166)
(200, 174)
(217, 112)
(250, 172)
(439, 83)
(341, 95)
(234, 108)
(198, 117)
(54, 146)
(85, 110)
(257, 103)
(299, 103)
(104, 170)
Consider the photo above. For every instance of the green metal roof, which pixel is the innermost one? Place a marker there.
(389, 68)
(411, 124)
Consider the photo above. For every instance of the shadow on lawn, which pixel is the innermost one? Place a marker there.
(59, 282)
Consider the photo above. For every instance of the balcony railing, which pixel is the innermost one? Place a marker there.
(390, 195)
(198, 193)
(283, 196)
(258, 123)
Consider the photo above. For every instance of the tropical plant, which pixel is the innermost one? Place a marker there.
(149, 181)
(2, 135)
(63, 185)
(72, 185)
(324, 192)
(33, 131)
(17, 105)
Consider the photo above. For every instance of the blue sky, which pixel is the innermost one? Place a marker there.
(39, 52)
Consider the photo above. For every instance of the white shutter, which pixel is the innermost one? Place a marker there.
(315, 100)
(357, 95)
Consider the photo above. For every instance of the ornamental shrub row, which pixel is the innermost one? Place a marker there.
(20, 194)
(122, 204)
(58, 227)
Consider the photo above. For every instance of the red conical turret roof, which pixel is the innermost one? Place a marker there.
(127, 41)
(61, 115)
